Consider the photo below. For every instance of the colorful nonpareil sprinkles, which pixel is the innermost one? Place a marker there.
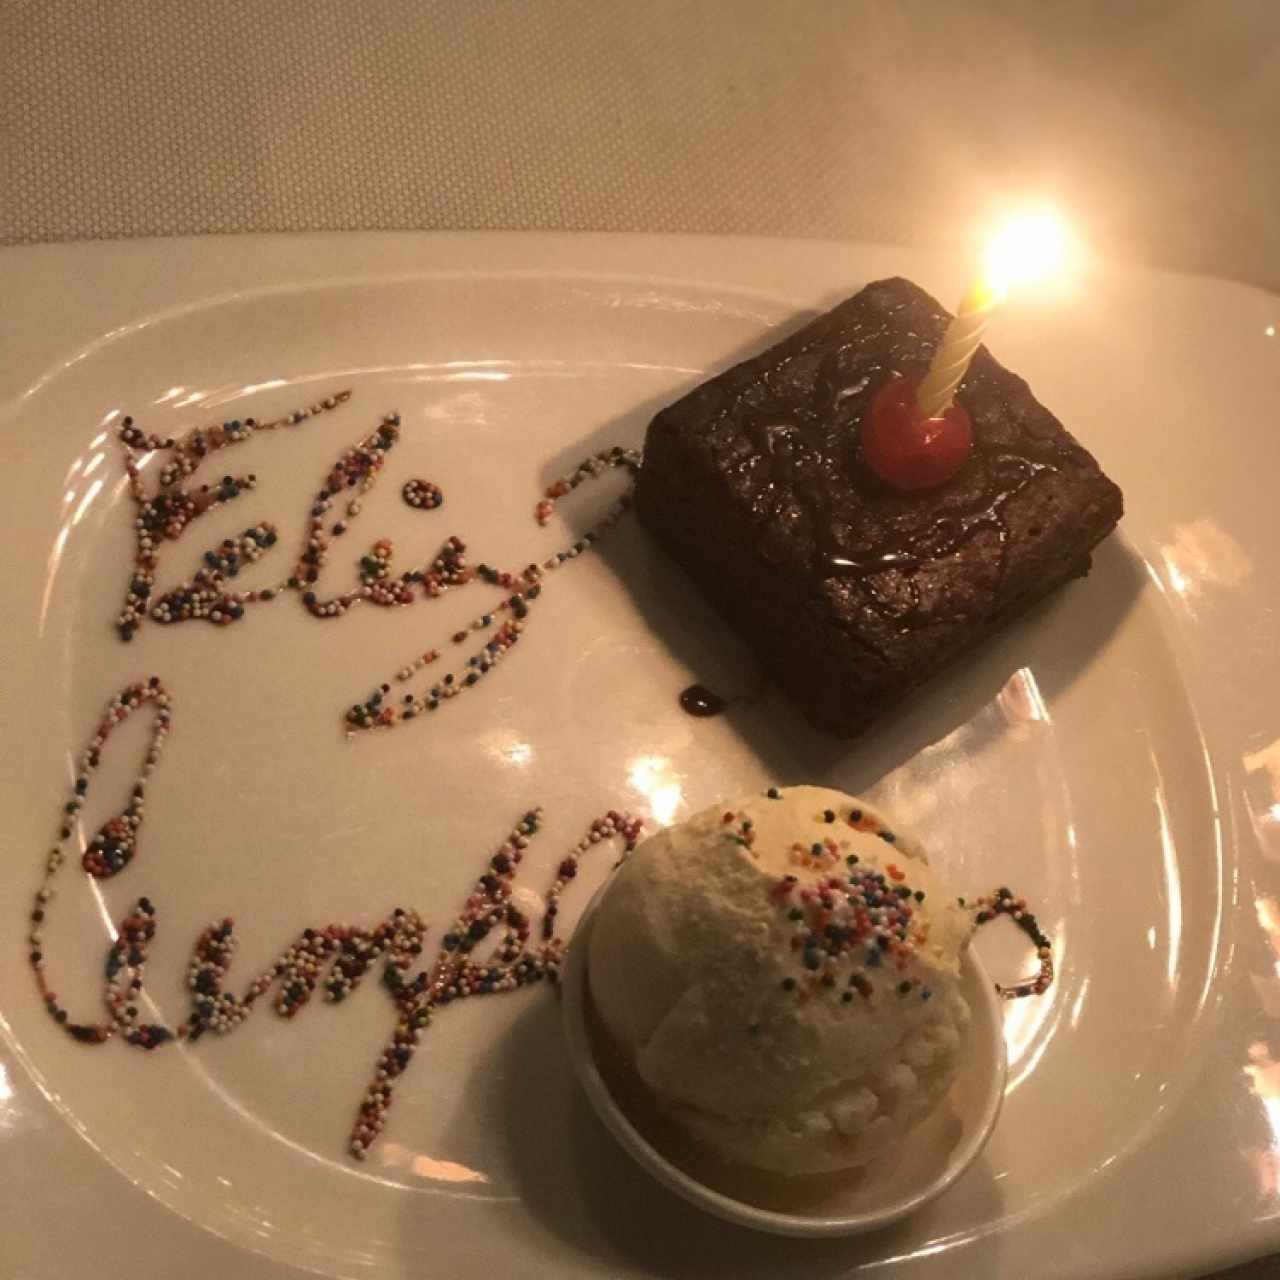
(1005, 903)
(507, 619)
(587, 469)
(208, 596)
(422, 495)
(844, 920)
(854, 929)
(515, 961)
(335, 957)
(851, 931)
(358, 469)
(739, 829)
(113, 847)
(165, 514)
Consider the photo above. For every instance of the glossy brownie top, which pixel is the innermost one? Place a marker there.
(780, 435)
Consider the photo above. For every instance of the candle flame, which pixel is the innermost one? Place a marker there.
(1026, 250)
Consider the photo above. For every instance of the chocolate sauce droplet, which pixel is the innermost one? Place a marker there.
(698, 700)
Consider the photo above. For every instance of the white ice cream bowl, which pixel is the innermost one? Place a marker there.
(929, 1159)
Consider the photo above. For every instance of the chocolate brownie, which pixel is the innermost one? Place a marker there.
(850, 592)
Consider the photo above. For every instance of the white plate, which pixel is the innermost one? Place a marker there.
(1116, 757)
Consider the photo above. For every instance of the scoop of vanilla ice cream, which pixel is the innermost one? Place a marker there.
(785, 972)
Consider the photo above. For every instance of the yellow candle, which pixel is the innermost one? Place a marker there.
(1026, 249)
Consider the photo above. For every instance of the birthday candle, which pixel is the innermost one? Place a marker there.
(1026, 249)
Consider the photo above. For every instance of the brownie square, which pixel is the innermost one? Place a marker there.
(849, 592)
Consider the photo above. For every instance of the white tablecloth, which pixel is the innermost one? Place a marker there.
(1155, 122)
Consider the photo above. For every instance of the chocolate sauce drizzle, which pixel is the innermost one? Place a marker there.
(698, 700)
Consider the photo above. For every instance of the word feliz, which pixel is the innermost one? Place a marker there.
(166, 511)
(467, 962)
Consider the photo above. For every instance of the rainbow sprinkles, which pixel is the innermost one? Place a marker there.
(165, 513)
(492, 944)
(335, 957)
(855, 930)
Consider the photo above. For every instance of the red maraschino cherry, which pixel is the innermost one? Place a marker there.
(909, 452)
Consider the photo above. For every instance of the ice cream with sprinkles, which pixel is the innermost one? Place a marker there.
(785, 972)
